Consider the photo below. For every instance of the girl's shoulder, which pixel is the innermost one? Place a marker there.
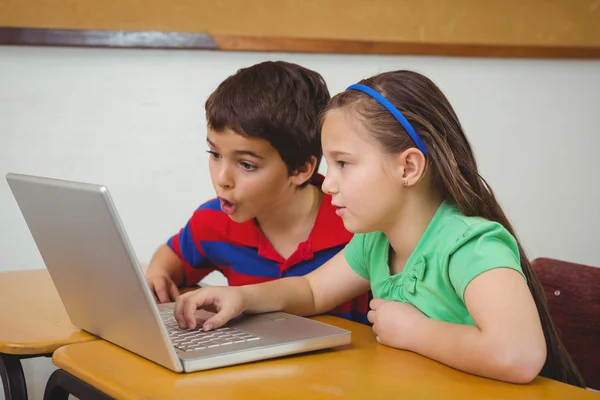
(457, 228)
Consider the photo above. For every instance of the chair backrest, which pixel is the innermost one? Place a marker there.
(573, 294)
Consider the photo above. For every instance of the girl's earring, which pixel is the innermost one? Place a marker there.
(406, 182)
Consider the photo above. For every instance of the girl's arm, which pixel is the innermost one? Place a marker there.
(319, 291)
(507, 342)
(329, 285)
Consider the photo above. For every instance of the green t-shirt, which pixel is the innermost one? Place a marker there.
(453, 250)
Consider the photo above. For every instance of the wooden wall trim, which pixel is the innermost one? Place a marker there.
(101, 38)
(191, 41)
(248, 43)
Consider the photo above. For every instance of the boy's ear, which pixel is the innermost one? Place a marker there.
(304, 172)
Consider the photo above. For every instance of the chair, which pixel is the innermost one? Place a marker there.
(573, 293)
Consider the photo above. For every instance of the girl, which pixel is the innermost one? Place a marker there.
(450, 280)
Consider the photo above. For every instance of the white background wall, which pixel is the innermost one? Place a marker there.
(134, 121)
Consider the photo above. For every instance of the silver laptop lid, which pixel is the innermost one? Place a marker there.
(90, 259)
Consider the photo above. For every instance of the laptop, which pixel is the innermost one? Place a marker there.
(93, 266)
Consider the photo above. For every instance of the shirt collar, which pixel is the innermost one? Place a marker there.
(327, 232)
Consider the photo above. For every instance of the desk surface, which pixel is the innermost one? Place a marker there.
(362, 370)
(34, 320)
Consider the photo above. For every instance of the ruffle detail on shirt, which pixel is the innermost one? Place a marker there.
(414, 274)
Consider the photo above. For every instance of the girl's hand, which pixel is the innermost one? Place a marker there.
(229, 302)
(395, 324)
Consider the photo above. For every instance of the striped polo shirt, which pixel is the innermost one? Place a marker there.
(212, 241)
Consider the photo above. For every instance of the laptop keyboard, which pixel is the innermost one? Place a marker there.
(186, 340)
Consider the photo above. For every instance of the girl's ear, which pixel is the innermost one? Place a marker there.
(304, 172)
(412, 165)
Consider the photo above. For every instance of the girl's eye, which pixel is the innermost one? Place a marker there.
(214, 154)
(342, 164)
(247, 166)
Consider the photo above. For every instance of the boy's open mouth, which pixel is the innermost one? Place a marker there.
(227, 207)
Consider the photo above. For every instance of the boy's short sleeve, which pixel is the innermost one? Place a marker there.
(483, 247)
(354, 252)
(183, 244)
(188, 248)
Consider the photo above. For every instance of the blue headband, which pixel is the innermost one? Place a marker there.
(395, 112)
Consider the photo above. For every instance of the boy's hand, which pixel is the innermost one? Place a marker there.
(163, 288)
(228, 301)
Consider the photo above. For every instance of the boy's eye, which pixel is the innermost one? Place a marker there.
(214, 154)
(247, 166)
(342, 164)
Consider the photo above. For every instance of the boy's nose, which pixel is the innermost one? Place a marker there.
(225, 178)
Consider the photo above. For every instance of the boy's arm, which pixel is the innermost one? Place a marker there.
(182, 261)
(166, 262)
(165, 274)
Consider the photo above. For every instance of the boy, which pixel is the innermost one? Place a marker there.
(270, 218)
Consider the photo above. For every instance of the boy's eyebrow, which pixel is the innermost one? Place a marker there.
(240, 152)
(248, 153)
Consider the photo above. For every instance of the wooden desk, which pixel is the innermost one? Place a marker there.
(33, 323)
(362, 370)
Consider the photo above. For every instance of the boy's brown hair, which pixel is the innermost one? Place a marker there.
(277, 101)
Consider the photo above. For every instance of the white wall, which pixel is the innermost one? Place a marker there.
(134, 121)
